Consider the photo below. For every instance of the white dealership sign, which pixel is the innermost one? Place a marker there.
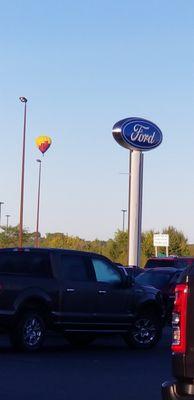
(161, 240)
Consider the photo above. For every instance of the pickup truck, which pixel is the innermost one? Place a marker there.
(80, 294)
(181, 387)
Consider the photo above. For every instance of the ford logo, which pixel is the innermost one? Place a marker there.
(137, 134)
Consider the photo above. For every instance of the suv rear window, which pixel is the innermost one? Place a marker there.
(160, 263)
(25, 263)
(176, 262)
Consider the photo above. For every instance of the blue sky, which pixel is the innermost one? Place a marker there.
(83, 66)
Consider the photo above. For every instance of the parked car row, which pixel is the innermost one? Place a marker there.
(165, 280)
(174, 276)
(163, 274)
(80, 294)
(83, 294)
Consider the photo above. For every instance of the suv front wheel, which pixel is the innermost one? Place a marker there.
(29, 332)
(145, 332)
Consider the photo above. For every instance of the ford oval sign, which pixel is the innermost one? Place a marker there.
(137, 134)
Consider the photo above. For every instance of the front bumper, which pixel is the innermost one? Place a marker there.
(173, 390)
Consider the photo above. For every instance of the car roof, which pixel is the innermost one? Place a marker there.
(51, 249)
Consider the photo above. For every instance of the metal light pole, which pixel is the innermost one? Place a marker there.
(23, 100)
(1, 202)
(38, 206)
(7, 216)
(124, 211)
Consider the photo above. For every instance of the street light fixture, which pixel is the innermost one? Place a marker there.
(1, 202)
(124, 211)
(23, 100)
(38, 206)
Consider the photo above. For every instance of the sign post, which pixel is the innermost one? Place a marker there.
(135, 212)
(137, 135)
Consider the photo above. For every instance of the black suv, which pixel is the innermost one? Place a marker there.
(81, 294)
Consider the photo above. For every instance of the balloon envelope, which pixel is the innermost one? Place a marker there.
(43, 143)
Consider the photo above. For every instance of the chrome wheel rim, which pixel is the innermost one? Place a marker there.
(32, 332)
(144, 331)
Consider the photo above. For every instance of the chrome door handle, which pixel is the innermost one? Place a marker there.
(102, 291)
(70, 290)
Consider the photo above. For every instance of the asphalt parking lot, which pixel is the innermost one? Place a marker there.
(106, 369)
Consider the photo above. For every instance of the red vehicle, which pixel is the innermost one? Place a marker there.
(181, 386)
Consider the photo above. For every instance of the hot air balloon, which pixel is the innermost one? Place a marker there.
(43, 143)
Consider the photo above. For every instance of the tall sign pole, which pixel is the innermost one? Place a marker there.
(137, 135)
(135, 220)
(129, 205)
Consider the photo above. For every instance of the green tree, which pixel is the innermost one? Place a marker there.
(178, 243)
(147, 248)
(9, 237)
(191, 249)
(55, 240)
(117, 248)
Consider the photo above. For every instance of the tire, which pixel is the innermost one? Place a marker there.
(79, 340)
(29, 332)
(145, 332)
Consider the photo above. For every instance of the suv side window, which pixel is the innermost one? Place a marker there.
(26, 263)
(105, 272)
(74, 268)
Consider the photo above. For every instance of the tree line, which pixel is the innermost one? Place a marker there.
(115, 249)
